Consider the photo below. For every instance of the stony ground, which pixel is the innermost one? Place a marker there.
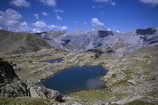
(131, 79)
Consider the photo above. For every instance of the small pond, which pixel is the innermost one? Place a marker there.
(56, 60)
(77, 79)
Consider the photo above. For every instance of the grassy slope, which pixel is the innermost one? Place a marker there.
(14, 42)
(25, 101)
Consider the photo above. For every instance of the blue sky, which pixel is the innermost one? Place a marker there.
(72, 15)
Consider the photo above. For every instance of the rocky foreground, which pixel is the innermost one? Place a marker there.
(132, 79)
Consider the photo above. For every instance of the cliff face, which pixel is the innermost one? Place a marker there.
(7, 73)
(10, 85)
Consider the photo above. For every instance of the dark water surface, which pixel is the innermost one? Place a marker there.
(76, 79)
(56, 60)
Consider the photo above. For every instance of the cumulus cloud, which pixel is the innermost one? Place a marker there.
(109, 29)
(118, 31)
(44, 13)
(103, 1)
(106, 1)
(59, 18)
(63, 28)
(113, 3)
(41, 26)
(20, 3)
(9, 17)
(49, 2)
(12, 20)
(23, 27)
(59, 11)
(36, 15)
(96, 22)
(155, 2)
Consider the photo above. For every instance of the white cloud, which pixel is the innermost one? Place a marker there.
(53, 26)
(109, 29)
(96, 22)
(59, 11)
(59, 27)
(103, 1)
(41, 26)
(36, 15)
(49, 2)
(20, 3)
(155, 2)
(113, 3)
(22, 27)
(59, 18)
(64, 28)
(118, 31)
(44, 13)
(106, 1)
(12, 20)
(9, 17)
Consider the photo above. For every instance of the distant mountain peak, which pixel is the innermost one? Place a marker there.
(147, 31)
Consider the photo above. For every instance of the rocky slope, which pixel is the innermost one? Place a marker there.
(80, 41)
(16, 42)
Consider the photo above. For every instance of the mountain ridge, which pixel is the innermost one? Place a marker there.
(20, 42)
(80, 41)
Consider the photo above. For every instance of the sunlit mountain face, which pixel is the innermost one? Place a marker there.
(102, 39)
(75, 15)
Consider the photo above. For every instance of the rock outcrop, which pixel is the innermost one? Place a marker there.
(104, 33)
(148, 31)
(12, 86)
(7, 73)
(41, 92)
